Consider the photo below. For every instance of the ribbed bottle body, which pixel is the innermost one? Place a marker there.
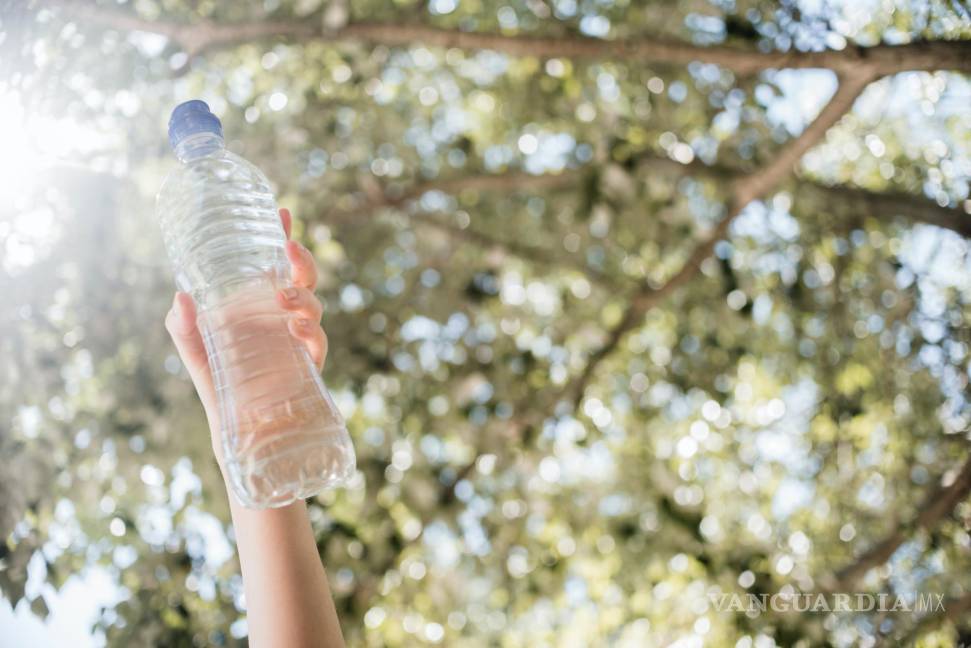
(283, 437)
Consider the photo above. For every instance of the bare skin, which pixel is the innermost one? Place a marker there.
(288, 600)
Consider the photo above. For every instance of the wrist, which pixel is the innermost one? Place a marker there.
(238, 509)
(268, 520)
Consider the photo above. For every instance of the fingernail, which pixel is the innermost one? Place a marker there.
(289, 293)
(176, 309)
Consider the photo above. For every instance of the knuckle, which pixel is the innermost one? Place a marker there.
(306, 295)
(307, 257)
(310, 304)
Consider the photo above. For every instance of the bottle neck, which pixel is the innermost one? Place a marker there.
(199, 145)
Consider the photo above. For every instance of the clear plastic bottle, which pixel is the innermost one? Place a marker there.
(283, 437)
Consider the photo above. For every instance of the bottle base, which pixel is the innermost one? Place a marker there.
(299, 472)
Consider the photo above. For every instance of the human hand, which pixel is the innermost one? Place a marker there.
(304, 324)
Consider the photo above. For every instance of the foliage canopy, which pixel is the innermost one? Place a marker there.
(602, 352)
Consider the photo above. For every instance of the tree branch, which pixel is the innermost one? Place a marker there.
(882, 59)
(195, 37)
(745, 189)
(938, 504)
(531, 253)
(377, 197)
(916, 209)
(758, 183)
(202, 35)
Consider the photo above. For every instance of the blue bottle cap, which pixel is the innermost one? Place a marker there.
(190, 118)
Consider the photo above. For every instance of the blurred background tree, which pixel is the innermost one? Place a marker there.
(629, 303)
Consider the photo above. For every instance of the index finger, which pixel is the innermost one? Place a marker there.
(304, 268)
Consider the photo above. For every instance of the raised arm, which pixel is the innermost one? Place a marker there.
(288, 601)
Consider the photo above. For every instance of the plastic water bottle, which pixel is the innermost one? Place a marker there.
(283, 437)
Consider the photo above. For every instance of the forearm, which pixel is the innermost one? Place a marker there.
(287, 596)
